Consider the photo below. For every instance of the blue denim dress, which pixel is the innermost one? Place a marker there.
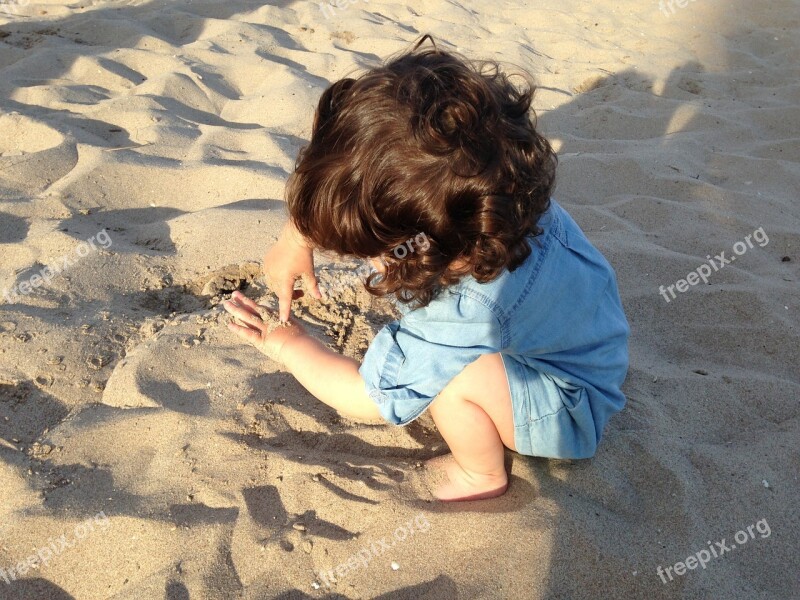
(558, 324)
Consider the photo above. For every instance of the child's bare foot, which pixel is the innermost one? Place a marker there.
(450, 482)
(438, 463)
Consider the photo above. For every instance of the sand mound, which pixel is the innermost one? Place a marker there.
(20, 135)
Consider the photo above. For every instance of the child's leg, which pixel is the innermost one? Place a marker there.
(474, 415)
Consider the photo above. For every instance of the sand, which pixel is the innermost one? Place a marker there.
(143, 150)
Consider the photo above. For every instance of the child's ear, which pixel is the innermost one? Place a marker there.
(330, 101)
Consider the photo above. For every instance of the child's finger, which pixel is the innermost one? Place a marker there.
(284, 294)
(256, 309)
(246, 302)
(236, 303)
(310, 279)
(245, 333)
(242, 324)
(243, 315)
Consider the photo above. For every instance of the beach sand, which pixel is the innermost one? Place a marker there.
(178, 463)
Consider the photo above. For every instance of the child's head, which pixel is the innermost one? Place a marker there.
(428, 145)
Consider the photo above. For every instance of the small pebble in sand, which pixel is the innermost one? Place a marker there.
(298, 526)
(97, 362)
(44, 380)
(395, 566)
(765, 483)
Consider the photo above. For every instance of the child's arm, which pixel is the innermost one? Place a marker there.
(334, 379)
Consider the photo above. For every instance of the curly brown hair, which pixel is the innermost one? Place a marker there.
(434, 144)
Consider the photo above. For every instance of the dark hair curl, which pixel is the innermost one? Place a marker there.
(430, 143)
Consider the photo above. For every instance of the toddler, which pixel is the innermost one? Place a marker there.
(512, 332)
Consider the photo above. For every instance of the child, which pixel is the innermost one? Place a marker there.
(512, 333)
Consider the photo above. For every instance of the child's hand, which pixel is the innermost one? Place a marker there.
(287, 260)
(261, 326)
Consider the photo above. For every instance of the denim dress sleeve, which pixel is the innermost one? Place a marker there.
(411, 360)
